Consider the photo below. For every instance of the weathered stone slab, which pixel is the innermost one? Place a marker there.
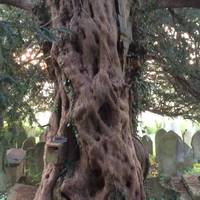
(4, 182)
(29, 143)
(14, 173)
(155, 190)
(34, 160)
(173, 155)
(15, 156)
(192, 183)
(196, 146)
(22, 192)
(158, 142)
(15, 159)
(178, 186)
(188, 156)
(187, 137)
(148, 144)
(167, 155)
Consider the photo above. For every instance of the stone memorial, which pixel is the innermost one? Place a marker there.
(196, 146)
(34, 160)
(148, 144)
(15, 164)
(173, 155)
(4, 182)
(29, 143)
(158, 142)
(187, 137)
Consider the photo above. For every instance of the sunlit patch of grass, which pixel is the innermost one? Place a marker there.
(195, 170)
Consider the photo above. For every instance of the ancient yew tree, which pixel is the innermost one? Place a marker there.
(92, 109)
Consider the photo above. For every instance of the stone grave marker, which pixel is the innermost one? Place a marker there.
(188, 156)
(29, 143)
(196, 146)
(22, 192)
(4, 182)
(174, 156)
(158, 142)
(187, 137)
(15, 164)
(192, 183)
(148, 144)
(34, 160)
(167, 153)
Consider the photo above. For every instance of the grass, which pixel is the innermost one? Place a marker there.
(195, 170)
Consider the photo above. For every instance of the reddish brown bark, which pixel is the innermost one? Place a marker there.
(106, 161)
(93, 60)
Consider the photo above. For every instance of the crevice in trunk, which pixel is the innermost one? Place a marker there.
(91, 10)
(96, 180)
(64, 196)
(107, 114)
(95, 66)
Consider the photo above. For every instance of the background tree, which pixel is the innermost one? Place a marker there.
(172, 67)
(23, 75)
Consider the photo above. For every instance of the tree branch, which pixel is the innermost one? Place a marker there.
(23, 4)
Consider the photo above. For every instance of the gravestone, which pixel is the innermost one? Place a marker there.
(29, 143)
(158, 142)
(3, 178)
(187, 137)
(196, 146)
(22, 192)
(15, 156)
(156, 190)
(167, 154)
(148, 144)
(15, 164)
(192, 183)
(173, 155)
(34, 160)
(188, 157)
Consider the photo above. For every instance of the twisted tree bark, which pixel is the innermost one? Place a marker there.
(91, 110)
(89, 64)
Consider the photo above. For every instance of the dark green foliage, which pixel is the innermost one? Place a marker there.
(23, 83)
(172, 61)
(168, 82)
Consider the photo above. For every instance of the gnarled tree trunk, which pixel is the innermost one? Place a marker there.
(92, 110)
(91, 105)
